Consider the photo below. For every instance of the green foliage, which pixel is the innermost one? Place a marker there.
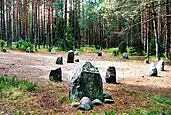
(152, 46)
(23, 45)
(111, 112)
(69, 38)
(162, 99)
(18, 112)
(63, 99)
(132, 51)
(7, 83)
(88, 49)
(143, 112)
(114, 51)
(122, 47)
(2, 44)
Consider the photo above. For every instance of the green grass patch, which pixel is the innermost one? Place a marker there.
(162, 99)
(9, 83)
(88, 49)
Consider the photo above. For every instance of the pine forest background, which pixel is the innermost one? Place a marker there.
(144, 25)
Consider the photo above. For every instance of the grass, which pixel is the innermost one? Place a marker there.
(9, 83)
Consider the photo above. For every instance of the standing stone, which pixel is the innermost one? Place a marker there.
(152, 70)
(160, 66)
(125, 56)
(99, 53)
(85, 104)
(76, 52)
(4, 50)
(53, 51)
(59, 60)
(56, 75)
(111, 75)
(70, 58)
(86, 82)
(28, 49)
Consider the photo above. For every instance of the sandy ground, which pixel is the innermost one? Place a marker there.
(38, 66)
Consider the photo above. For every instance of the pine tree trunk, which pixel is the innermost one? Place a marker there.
(155, 32)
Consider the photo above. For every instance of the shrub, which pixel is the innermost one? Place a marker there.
(88, 49)
(2, 44)
(132, 51)
(122, 47)
(23, 45)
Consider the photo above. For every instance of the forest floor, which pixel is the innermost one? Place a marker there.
(135, 91)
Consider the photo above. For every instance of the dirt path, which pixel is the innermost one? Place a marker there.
(38, 65)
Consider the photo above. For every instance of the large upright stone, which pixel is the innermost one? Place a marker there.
(56, 75)
(160, 66)
(59, 60)
(111, 75)
(70, 58)
(152, 70)
(86, 82)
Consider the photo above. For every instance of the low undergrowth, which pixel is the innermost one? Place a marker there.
(18, 97)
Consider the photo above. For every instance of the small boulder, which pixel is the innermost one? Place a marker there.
(59, 60)
(125, 56)
(77, 60)
(70, 58)
(152, 70)
(109, 101)
(56, 75)
(97, 102)
(85, 104)
(4, 50)
(160, 66)
(28, 49)
(111, 75)
(53, 51)
(99, 53)
(107, 95)
(76, 52)
(75, 104)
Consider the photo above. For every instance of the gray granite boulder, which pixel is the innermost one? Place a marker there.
(160, 66)
(59, 60)
(152, 70)
(97, 102)
(85, 104)
(107, 95)
(111, 75)
(70, 58)
(86, 82)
